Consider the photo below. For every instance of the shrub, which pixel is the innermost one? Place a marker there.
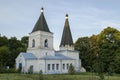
(40, 75)
(30, 71)
(5, 70)
(71, 69)
(19, 70)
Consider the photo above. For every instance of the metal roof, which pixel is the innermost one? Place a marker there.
(57, 57)
(28, 56)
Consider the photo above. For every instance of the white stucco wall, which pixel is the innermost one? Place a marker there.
(41, 52)
(20, 59)
(74, 55)
(67, 47)
(60, 62)
(40, 37)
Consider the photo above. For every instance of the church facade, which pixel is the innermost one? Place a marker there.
(40, 54)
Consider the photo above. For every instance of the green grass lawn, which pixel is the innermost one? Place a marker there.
(81, 76)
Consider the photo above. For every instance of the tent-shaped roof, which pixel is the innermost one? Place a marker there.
(66, 36)
(41, 24)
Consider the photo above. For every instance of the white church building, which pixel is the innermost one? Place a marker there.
(40, 54)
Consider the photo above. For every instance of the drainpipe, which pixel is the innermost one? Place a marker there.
(45, 65)
(61, 65)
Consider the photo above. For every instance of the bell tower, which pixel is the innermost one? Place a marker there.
(66, 41)
(41, 39)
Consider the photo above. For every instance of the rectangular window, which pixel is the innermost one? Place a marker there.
(48, 66)
(63, 66)
(67, 66)
(53, 66)
(57, 66)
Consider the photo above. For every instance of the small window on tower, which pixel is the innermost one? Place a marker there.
(33, 43)
(46, 43)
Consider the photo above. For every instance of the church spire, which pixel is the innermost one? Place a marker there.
(66, 40)
(41, 24)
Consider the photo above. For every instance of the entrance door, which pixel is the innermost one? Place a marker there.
(20, 67)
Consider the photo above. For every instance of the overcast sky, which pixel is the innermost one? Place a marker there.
(86, 17)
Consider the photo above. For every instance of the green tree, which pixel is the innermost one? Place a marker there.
(87, 55)
(13, 45)
(116, 62)
(3, 41)
(13, 48)
(108, 44)
(24, 41)
(4, 56)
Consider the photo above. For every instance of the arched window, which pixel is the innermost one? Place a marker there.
(46, 43)
(33, 43)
